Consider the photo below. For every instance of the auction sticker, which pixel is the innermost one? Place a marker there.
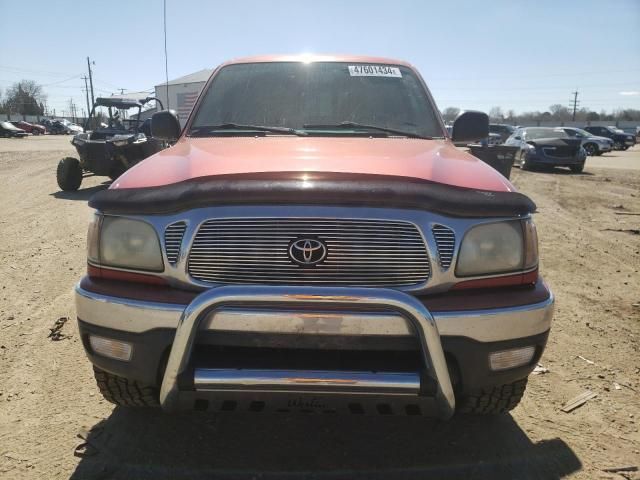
(374, 71)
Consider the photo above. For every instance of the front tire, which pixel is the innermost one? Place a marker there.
(69, 174)
(494, 400)
(592, 149)
(526, 164)
(124, 392)
(577, 168)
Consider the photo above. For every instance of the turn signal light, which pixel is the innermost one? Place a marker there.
(110, 348)
(513, 358)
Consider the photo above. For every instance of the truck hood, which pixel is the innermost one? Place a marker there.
(598, 138)
(555, 142)
(435, 160)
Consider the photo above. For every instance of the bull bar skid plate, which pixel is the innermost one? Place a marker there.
(362, 299)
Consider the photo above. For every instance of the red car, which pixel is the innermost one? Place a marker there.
(32, 128)
(314, 241)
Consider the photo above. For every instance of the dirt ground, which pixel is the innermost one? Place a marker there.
(590, 250)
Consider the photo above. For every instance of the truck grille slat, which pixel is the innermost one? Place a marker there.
(359, 252)
(173, 235)
(445, 241)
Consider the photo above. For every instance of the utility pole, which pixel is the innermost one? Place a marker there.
(72, 112)
(86, 91)
(91, 81)
(575, 105)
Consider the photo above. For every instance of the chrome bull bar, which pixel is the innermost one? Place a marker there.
(361, 299)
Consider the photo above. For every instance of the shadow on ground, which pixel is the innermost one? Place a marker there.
(561, 171)
(82, 194)
(151, 445)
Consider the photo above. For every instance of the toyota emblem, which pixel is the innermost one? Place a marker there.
(307, 251)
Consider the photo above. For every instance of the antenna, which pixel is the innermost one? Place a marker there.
(166, 62)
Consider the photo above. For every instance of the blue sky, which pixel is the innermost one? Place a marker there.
(521, 55)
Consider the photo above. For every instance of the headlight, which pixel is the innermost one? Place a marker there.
(499, 247)
(129, 244)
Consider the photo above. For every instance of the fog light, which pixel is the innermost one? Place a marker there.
(111, 348)
(511, 358)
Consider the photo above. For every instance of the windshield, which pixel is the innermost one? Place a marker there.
(584, 133)
(533, 133)
(314, 97)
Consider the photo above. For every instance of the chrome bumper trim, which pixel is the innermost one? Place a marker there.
(317, 381)
(207, 302)
(482, 325)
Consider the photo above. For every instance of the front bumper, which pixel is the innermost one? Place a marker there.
(605, 147)
(538, 159)
(453, 345)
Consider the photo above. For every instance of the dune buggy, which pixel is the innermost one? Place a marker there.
(109, 148)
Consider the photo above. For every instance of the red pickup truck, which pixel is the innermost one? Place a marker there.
(313, 241)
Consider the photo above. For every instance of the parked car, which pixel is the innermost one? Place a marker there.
(368, 264)
(108, 150)
(621, 140)
(70, 127)
(592, 144)
(8, 130)
(547, 147)
(55, 127)
(505, 131)
(32, 128)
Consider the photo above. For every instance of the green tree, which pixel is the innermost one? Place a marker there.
(25, 98)
(449, 114)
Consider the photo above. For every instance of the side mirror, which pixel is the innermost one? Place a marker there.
(470, 126)
(165, 125)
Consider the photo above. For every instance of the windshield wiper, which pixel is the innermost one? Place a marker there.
(367, 127)
(209, 129)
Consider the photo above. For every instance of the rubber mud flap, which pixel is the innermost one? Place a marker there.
(315, 189)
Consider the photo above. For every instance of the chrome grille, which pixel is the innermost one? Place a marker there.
(560, 152)
(446, 242)
(359, 252)
(173, 239)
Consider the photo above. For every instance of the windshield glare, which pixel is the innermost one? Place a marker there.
(295, 95)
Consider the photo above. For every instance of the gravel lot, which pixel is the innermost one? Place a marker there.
(590, 256)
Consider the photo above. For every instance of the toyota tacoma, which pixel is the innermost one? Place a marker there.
(313, 241)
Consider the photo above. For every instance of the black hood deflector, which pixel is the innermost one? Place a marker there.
(307, 188)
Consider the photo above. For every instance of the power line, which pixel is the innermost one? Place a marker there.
(545, 75)
(62, 81)
(600, 85)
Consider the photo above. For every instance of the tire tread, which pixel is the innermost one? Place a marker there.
(494, 400)
(125, 392)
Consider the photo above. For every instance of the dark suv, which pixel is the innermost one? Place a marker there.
(621, 140)
(504, 131)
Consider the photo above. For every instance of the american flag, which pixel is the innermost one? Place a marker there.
(185, 104)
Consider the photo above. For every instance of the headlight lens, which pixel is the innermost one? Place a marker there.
(492, 248)
(129, 244)
(93, 238)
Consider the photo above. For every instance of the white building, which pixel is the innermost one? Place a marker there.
(183, 92)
